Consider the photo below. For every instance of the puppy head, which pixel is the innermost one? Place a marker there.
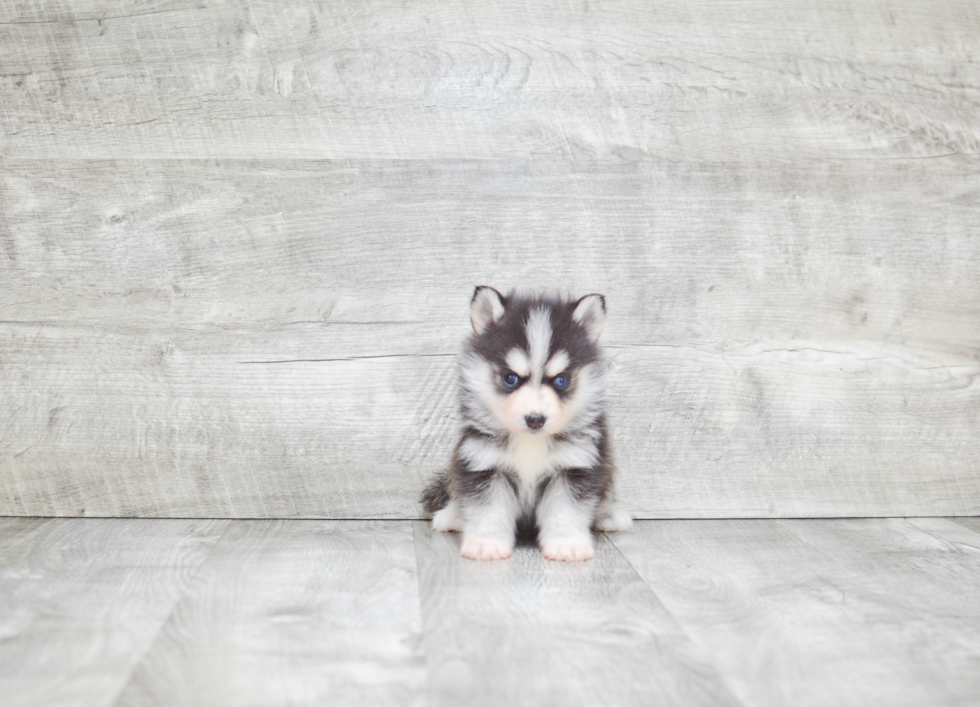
(533, 365)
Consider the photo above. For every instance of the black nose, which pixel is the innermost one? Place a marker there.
(535, 422)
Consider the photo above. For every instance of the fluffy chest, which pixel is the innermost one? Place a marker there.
(528, 457)
(531, 458)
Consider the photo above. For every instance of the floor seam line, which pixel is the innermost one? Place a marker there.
(166, 620)
(701, 650)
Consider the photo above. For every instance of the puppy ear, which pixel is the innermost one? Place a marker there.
(590, 312)
(486, 307)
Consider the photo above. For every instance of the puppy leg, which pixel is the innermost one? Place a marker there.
(612, 518)
(448, 519)
(564, 522)
(617, 520)
(489, 521)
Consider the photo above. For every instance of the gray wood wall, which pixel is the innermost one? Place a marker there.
(237, 244)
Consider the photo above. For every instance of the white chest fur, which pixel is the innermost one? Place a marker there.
(529, 456)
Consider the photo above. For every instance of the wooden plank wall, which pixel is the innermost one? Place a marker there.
(237, 244)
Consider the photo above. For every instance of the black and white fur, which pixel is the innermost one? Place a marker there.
(534, 457)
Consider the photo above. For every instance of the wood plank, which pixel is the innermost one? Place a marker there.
(299, 613)
(82, 600)
(936, 565)
(686, 253)
(621, 80)
(789, 620)
(165, 425)
(153, 429)
(527, 631)
(200, 339)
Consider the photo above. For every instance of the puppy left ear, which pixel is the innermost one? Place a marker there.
(486, 307)
(590, 312)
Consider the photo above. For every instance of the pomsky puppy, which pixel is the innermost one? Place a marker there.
(533, 461)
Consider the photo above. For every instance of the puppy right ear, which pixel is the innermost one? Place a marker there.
(590, 312)
(486, 307)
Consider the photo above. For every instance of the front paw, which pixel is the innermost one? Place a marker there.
(477, 548)
(616, 522)
(448, 519)
(568, 549)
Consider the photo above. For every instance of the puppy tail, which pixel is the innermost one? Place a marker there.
(436, 494)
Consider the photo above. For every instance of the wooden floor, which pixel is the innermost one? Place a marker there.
(269, 612)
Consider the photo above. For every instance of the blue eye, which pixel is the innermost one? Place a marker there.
(561, 381)
(511, 380)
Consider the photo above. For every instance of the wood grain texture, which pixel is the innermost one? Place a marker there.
(300, 613)
(844, 612)
(181, 612)
(622, 80)
(527, 631)
(275, 338)
(198, 318)
(885, 252)
(82, 600)
(935, 619)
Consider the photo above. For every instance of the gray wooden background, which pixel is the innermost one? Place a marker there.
(237, 244)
